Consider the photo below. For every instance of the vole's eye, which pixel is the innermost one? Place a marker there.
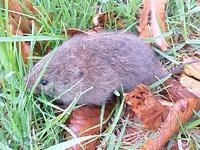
(44, 82)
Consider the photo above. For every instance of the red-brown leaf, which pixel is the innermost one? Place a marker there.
(178, 115)
(147, 107)
(85, 118)
(154, 26)
(183, 109)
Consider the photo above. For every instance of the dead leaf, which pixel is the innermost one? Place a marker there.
(30, 6)
(21, 24)
(82, 123)
(15, 14)
(179, 114)
(129, 113)
(23, 46)
(192, 85)
(144, 17)
(146, 32)
(177, 91)
(154, 26)
(102, 18)
(191, 76)
(25, 50)
(147, 107)
(192, 69)
(120, 24)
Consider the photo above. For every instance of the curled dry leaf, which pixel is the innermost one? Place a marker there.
(191, 76)
(30, 7)
(156, 24)
(192, 69)
(144, 26)
(177, 91)
(23, 46)
(147, 107)
(180, 113)
(102, 18)
(85, 121)
(20, 24)
(25, 49)
(15, 14)
(192, 84)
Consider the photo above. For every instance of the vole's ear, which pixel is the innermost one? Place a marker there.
(73, 31)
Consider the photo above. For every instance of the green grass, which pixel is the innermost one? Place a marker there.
(28, 121)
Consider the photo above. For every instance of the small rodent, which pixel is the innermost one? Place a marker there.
(105, 61)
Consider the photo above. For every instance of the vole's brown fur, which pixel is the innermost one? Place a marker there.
(104, 61)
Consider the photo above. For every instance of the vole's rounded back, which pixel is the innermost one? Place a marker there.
(105, 61)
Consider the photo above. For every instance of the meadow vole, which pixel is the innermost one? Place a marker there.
(105, 61)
